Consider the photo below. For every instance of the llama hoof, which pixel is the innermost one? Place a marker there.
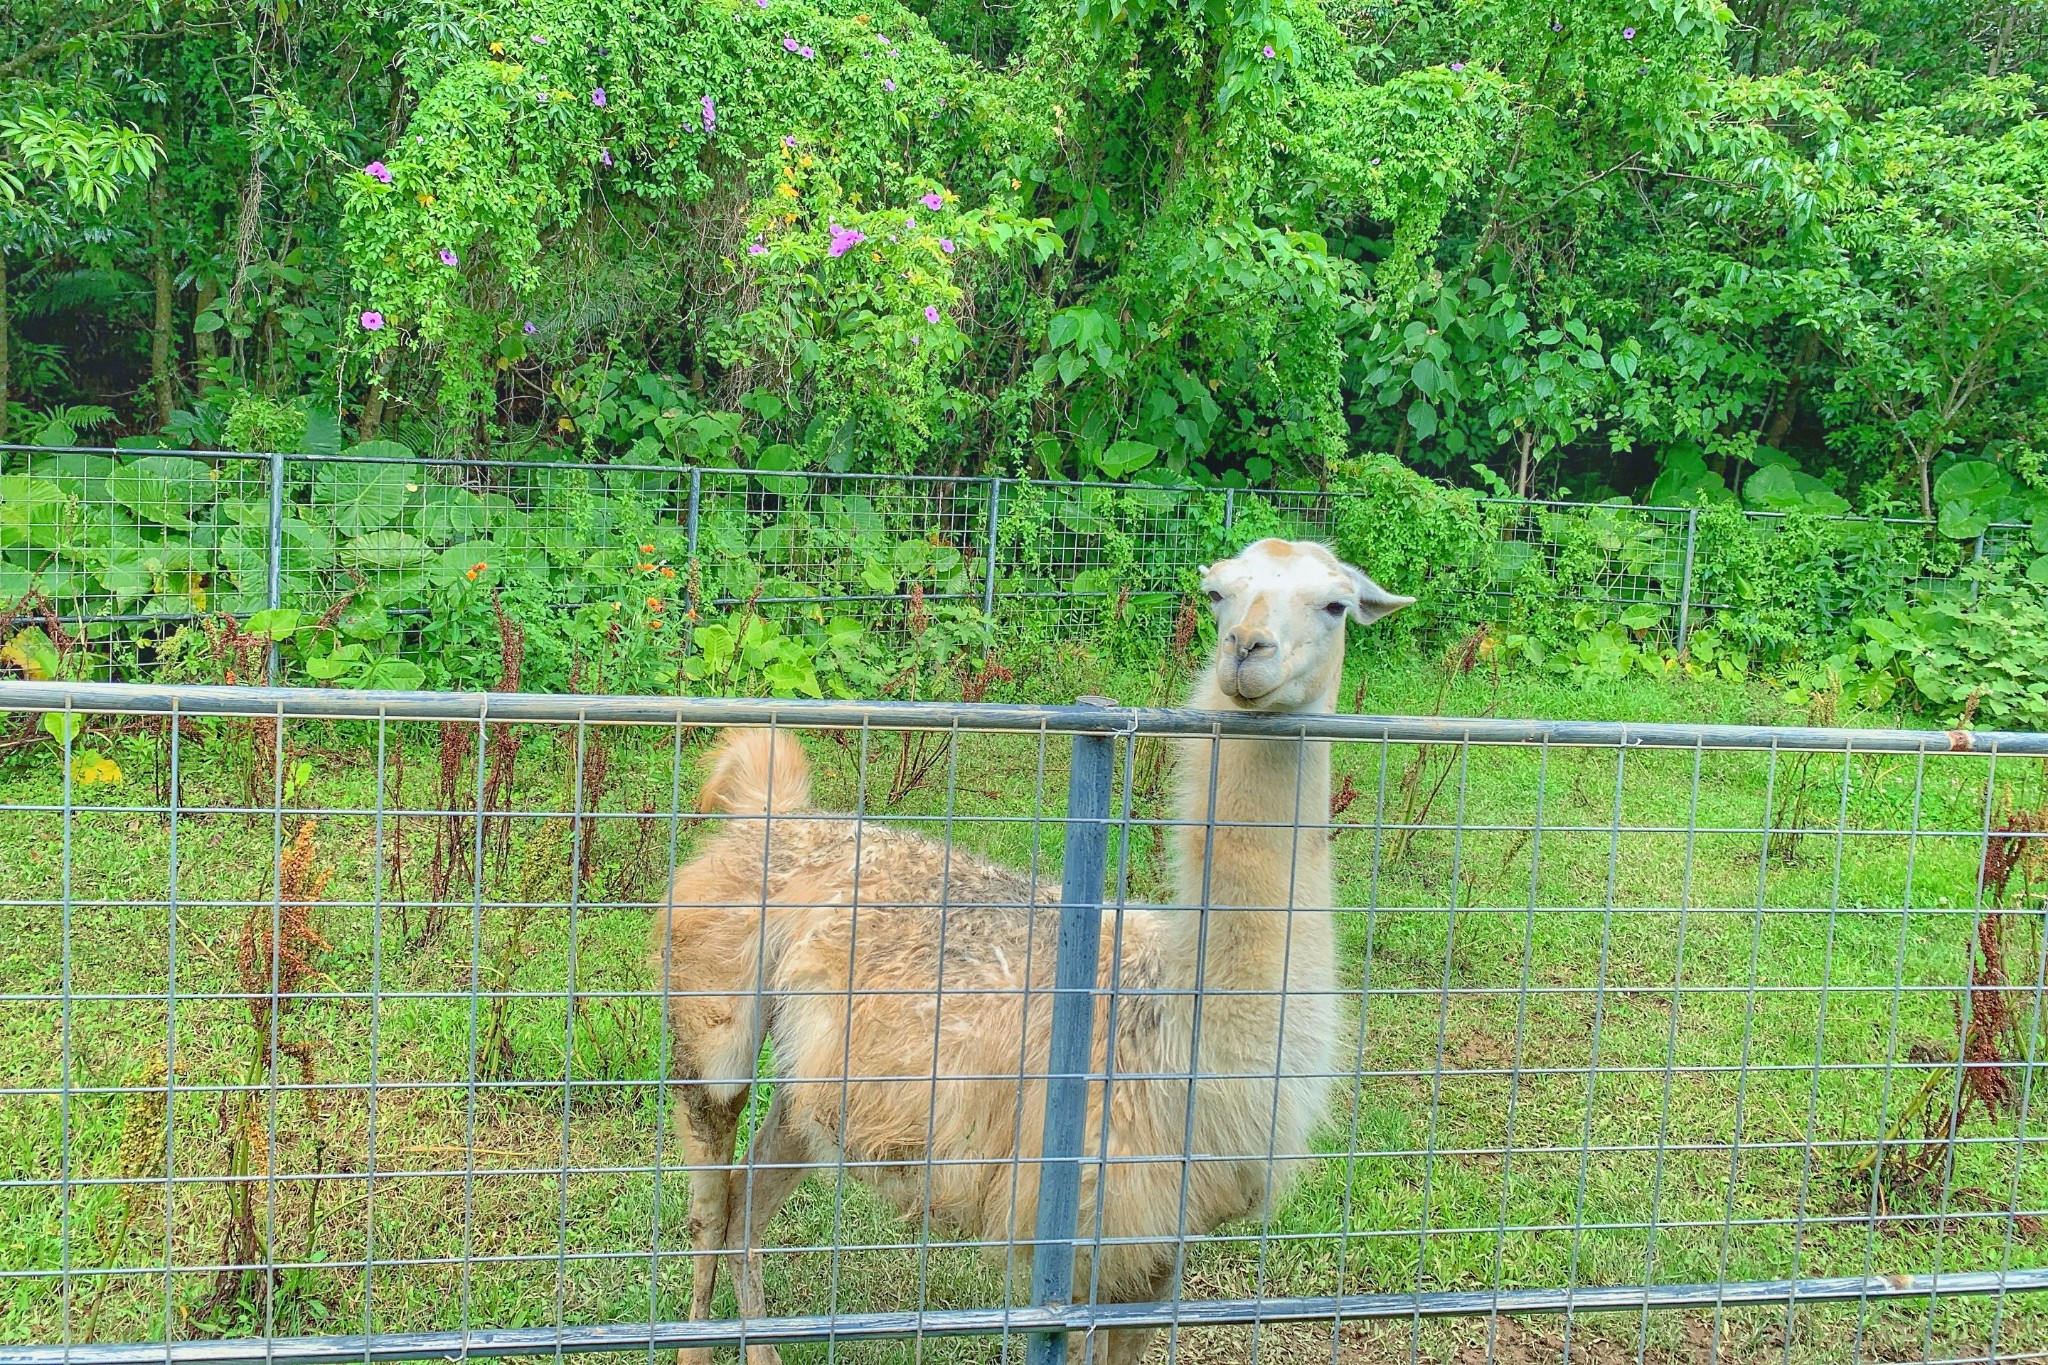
(694, 1355)
(763, 1355)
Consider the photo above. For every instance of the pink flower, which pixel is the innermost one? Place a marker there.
(449, 258)
(710, 113)
(916, 340)
(934, 202)
(1628, 35)
(882, 40)
(910, 223)
(529, 329)
(789, 141)
(844, 239)
(378, 171)
(931, 313)
(760, 4)
(605, 155)
(1267, 52)
(1457, 66)
(946, 245)
(597, 97)
(806, 52)
(789, 45)
(756, 249)
(888, 85)
(372, 320)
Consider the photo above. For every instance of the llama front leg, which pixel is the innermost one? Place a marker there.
(774, 1168)
(707, 1122)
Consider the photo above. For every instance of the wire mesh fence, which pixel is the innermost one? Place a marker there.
(122, 547)
(334, 1032)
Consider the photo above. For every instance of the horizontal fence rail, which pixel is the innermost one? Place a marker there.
(334, 1032)
(126, 546)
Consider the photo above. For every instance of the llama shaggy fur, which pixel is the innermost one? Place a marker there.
(905, 982)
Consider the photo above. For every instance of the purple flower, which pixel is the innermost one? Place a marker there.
(910, 223)
(378, 171)
(449, 258)
(844, 239)
(597, 97)
(529, 329)
(934, 202)
(946, 245)
(1556, 27)
(538, 39)
(760, 4)
(789, 44)
(1267, 52)
(806, 52)
(931, 313)
(789, 141)
(1628, 35)
(1457, 66)
(888, 85)
(916, 340)
(605, 155)
(372, 320)
(1375, 161)
(710, 114)
(884, 41)
(757, 249)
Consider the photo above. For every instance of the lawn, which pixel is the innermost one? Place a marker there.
(1625, 1016)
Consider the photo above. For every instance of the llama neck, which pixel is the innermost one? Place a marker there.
(1253, 849)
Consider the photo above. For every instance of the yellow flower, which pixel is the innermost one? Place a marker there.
(425, 199)
(804, 160)
(498, 48)
(786, 191)
(1015, 183)
(90, 767)
(564, 424)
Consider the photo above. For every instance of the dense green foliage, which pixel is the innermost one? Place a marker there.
(1793, 250)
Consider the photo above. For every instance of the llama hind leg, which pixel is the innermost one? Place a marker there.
(707, 1122)
(774, 1168)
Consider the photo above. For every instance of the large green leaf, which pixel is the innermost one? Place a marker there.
(386, 550)
(166, 489)
(446, 514)
(358, 498)
(31, 513)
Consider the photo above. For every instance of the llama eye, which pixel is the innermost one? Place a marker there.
(1214, 597)
(1337, 608)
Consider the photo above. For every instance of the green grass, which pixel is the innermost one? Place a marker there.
(1673, 950)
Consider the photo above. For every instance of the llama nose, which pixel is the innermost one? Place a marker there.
(1248, 645)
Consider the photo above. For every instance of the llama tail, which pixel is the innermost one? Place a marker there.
(757, 772)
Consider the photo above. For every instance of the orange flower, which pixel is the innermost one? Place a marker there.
(646, 568)
(481, 566)
(655, 624)
(654, 604)
(646, 549)
(471, 574)
(667, 572)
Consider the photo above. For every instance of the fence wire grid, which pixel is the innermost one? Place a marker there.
(127, 545)
(333, 1033)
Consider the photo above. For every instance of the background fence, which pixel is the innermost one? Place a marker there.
(331, 1034)
(127, 544)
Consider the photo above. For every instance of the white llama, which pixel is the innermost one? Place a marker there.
(917, 1053)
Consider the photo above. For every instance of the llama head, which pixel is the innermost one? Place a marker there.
(1280, 611)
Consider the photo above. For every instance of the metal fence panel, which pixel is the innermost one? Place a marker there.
(334, 1033)
(128, 546)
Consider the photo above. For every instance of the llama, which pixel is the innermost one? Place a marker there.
(891, 972)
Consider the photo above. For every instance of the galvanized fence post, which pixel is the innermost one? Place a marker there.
(690, 517)
(1692, 528)
(1229, 511)
(274, 587)
(1072, 1045)
(988, 582)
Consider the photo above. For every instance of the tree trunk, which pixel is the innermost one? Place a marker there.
(5, 395)
(1926, 460)
(1525, 471)
(161, 379)
(373, 402)
(1787, 409)
(205, 349)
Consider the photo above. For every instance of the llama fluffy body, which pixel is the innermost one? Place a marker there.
(892, 970)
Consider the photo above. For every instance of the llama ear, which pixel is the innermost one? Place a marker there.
(1371, 601)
